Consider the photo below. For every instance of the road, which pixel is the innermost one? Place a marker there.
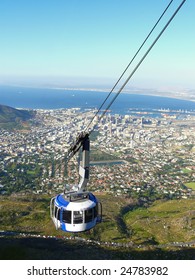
(99, 243)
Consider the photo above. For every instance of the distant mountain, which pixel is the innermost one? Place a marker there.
(14, 118)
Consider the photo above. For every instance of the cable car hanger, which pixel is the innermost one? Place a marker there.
(78, 210)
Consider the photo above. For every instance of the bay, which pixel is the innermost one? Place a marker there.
(42, 98)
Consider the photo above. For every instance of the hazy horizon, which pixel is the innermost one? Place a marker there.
(89, 44)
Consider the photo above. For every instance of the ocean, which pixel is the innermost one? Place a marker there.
(42, 98)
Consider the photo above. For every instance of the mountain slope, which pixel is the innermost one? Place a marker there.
(11, 117)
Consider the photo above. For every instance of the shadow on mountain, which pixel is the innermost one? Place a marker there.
(55, 249)
(120, 221)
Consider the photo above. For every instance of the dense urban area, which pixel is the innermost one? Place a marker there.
(131, 155)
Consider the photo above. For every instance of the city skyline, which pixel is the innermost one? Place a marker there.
(90, 43)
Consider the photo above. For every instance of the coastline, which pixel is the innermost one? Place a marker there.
(187, 95)
(66, 97)
(147, 92)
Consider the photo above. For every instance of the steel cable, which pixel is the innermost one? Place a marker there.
(140, 62)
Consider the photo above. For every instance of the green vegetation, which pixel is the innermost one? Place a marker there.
(21, 176)
(186, 170)
(124, 221)
(164, 222)
(97, 155)
(11, 118)
(190, 185)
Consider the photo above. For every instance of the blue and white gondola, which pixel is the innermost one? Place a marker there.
(75, 212)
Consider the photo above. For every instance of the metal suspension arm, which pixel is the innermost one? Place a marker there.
(84, 165)
(82, 141)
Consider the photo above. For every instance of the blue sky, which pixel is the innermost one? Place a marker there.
(85, 41)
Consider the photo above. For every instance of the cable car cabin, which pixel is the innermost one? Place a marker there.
(75, 211)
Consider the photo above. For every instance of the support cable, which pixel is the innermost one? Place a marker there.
(140, 62)
(75, 147)
(130, 62)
